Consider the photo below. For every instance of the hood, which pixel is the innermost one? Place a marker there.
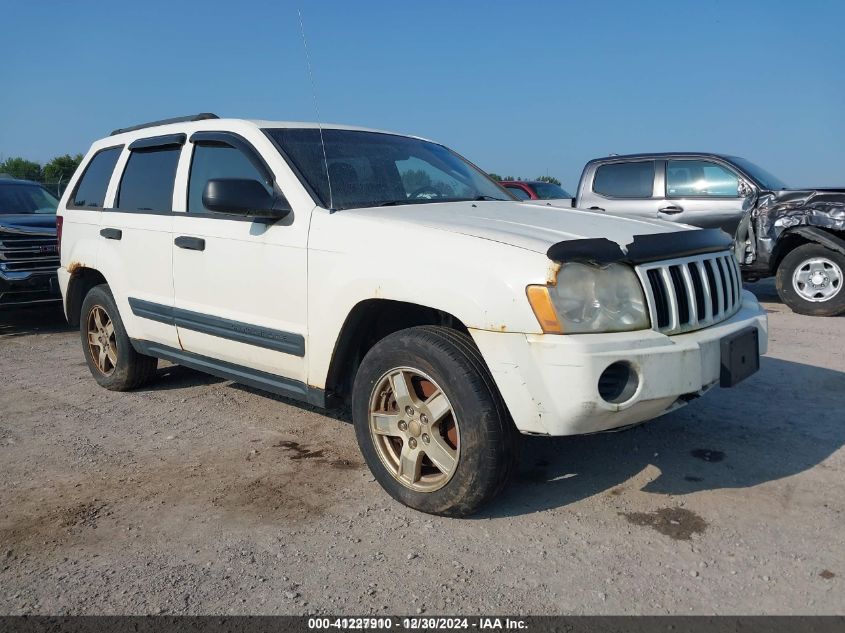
(33, 223)
(529, 226)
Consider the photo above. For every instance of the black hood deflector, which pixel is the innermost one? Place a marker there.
(643, 249)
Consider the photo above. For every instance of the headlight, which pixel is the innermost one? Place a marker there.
(589, 299)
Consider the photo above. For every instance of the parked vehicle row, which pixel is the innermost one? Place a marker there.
(339, 264)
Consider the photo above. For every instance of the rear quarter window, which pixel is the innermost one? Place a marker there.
(625, 180)
(91, 190)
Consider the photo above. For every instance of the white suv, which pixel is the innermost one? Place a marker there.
(343, 264)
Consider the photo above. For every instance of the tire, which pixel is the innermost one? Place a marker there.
(448, 463)
(825, 299)
(119, 367)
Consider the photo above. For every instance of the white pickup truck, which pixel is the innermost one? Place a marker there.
(333, 264)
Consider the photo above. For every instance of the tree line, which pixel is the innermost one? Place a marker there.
(54, 173)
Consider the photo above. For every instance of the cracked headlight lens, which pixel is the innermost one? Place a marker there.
(590, 299)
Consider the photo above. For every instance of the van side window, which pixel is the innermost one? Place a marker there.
(700, 178)
(147, 183)
(625, 180)
(91, 190)
(218, 161)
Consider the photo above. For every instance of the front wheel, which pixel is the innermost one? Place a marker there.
(810, 280)
(430, 422)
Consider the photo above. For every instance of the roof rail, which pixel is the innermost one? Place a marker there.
(202, 116)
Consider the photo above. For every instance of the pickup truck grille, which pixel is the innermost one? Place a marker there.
(21, 252)
(691, 293)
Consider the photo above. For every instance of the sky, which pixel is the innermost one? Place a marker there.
(520, 88)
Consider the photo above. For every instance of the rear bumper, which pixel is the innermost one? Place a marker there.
(550, 382)
(25, 289)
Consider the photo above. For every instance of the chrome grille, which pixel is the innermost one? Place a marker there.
(691, 293)
(22, 252)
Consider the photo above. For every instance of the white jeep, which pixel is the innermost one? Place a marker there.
(335, 264)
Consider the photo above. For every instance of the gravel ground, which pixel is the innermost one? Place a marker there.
(198, 496)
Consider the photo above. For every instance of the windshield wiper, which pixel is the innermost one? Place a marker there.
(480, 198)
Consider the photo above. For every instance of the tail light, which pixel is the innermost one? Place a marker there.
(59, 222)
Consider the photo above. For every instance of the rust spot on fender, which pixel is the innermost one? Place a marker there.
(74, 266)
(551, 275)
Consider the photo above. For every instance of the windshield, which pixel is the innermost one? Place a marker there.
(23, 198)
(548, 191)
(770, 182)
(369, 169)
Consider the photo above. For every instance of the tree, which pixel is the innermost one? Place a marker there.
(549, 179)
(18, 167)
(61, 168)
(495, 177)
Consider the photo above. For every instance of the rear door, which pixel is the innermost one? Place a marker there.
(240, 282)
(625, 188)
(135, 237)
(703, 193)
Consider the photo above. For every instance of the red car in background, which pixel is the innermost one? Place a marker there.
(538, 190)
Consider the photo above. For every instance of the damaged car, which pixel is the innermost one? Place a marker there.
(797, 236)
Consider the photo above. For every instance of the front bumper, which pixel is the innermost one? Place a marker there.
(550, 382)
(25, 289)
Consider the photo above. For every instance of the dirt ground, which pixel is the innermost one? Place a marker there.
(200, 496)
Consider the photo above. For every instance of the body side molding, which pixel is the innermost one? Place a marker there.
(278, 340)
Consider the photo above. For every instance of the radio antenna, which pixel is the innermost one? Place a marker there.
(316, 110)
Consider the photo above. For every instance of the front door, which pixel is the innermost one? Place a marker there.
(702, 193)
(240, 282)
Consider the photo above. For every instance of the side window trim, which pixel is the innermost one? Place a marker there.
(71, 199)
(625, 162)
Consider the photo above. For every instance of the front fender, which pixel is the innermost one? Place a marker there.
(819, 236)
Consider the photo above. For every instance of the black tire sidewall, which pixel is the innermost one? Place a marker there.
(787, 292)
(126, 368)
(484, 445)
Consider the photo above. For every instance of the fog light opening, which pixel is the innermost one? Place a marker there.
(618, 383)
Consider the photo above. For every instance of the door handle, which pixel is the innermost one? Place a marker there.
(190, 243)
(111, 234)
(671, 209)
(596, 209)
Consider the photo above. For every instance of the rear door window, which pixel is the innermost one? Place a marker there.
(91, 190)
(700, 179)
(625, 180)
(147, 183)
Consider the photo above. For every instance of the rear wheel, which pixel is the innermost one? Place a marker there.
(113, 361)
(430, 422)
(810, 280)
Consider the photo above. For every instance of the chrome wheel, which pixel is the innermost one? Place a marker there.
(101, 342)
(817, 279)
(414, 429)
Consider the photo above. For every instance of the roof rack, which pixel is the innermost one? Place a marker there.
(202, 116)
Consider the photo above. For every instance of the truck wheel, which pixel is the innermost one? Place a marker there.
(430, 421)
(113, 361)
(810, 280)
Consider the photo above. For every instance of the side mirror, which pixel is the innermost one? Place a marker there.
(743, 189)
(241, 196)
